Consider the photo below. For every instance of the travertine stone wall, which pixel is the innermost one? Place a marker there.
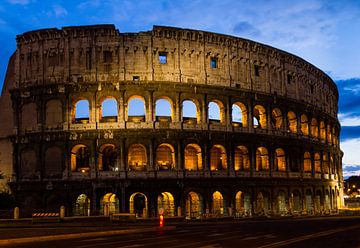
(101, 53)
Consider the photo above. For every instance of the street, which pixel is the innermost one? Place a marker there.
(316, 232)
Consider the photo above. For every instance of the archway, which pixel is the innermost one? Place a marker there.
(139, 204)
(239, 203)
(190, 112)
(193, 205)
(137, 159)
(276, 118)
(215, 112)
(296, 201)
(165, 202)
(81, 112)
(307, 162)
(282, 207)
(193, 157)
(109, 110)
(163, 110)
(308, 201)
(135, 109)
(304, 125)
(292, 122)
(239, 115)
(218, 158)
(241, 160)
(82, 206)
(80, 158)
(314, 128)
(107, 158)
(280, 160)
(262, 159)
(165, 157)
(260, 115)
(109, 204)
(217, 203)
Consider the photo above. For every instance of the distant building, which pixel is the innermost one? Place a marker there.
(270, 145)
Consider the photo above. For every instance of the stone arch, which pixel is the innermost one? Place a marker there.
(296, 201)
(314, 128)
(80, 158)
(239, 114)
(322, 130)
(216, 111)
(325, 163)
(282, 207)
(193, 205)
(108, 111)
(137, 158)
(239, 203)
(327, 202)
(82, 206)
(309, 201)
(164, 110)
(53, 113)
(329, 134)
(138, 204)
(262, 202)
(218, 158)
(318, 200)
(218, 203)
(280, 159)
(53, 162)
(109, 204)
(28, 163)
(191, 111)
(241, 159)
(304, 122)
(165, 157)
(260, 115)
(165, 201)
(29, 117)
(307, 162)
(193, 157)
(292, 122)
(276, 118)
(262, 159)
(81, 111)
(107, 158)
(135, 109)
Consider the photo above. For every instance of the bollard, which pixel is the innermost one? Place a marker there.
(62, 212)
(16, 213)
(179, 212)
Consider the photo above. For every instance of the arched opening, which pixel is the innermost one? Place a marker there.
(333, 135)
(318, 201)
(296, 201)
(137, 159)
(239, 115)
(262, 159)
(260, 115)
(317, 163)
(308, 201)
(327, 203)
(28, 163)
(239, 203)
(139, 204)
(216, 112)
(190, 112)
(281, 203)
(304, 125)
(81, 112)
(241, 160)
(193, 157)
(54, 112)
(82, 206)
(107, 160)
(329, 138)
(80, 158)
(322, 131)
(164, 110)
(109, 110)
(109, 204)
(280, 159)
(136, 109)
(276, 118)
(325, 164)
(307, 162)
(217, 203)
(218, 159)
(314, 128)
(165, 204)
(165, 157)
(292, 122)
(262, 203)
(193, 205)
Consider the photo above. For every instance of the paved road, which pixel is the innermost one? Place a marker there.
(320, 232)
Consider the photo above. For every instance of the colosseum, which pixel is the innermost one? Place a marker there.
(185, 122)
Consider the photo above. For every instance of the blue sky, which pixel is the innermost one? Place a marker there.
(325, 33)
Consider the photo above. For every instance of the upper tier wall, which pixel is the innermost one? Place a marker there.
(102, 54)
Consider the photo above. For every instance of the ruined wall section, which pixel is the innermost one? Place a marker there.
(95, 54)
(6, 126)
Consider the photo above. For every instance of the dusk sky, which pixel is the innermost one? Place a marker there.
(325, 33)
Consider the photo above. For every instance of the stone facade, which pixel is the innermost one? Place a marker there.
(280, 156)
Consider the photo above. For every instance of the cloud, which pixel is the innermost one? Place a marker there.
(351, 151)
(349, 119)
(59, 11)
(246, 28)
(351, 170)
